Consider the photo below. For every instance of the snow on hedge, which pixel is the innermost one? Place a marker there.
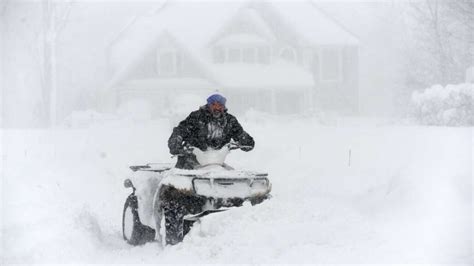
(447, 106)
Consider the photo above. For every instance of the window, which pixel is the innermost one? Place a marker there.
(288, 53)
(166, 63)
(233, 55)
(219, 55)
(307, 58)
(264, 55)
(249, 55)
(315, 66)
(330, 64)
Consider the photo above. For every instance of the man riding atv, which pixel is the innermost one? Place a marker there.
(208, 127)
(201, 183)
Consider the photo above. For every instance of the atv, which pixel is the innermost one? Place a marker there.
(165, 201)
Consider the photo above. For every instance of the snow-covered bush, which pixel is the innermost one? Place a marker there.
(448, 106)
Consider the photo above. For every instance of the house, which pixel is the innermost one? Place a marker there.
(276, 57)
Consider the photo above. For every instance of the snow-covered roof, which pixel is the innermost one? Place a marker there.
(313, 24)
(241, 39)
(249, 15)
(280, 75)
(194, 23)
(175, 83)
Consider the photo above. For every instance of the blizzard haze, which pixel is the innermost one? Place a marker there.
(321, 57)
(362, 113)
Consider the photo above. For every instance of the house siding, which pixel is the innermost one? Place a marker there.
(340, 95)
(148, 66)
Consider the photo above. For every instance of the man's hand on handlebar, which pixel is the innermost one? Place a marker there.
(187, 148)
(236, 145)
(184, 149)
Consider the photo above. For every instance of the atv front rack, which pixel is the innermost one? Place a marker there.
(231, 187)
(152, 167)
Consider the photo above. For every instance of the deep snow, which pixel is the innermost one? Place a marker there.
(403, 196)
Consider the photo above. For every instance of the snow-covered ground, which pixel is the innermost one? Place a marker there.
(403, 196)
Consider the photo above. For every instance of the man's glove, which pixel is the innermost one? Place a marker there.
(246, 148)
(237, 145)
(245, 141)
(175, 144)
(187, 149)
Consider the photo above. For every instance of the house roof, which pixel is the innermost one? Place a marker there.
(313, 24)
(175, 83)
(193, 23)
(241, 38)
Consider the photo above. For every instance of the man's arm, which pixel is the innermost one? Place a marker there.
(239, 135)
(180, 134)
(175, 142)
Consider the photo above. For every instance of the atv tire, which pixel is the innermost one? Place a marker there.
(175, 205)
(133, 231)
(175, 225)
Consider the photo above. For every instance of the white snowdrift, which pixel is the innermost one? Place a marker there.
(403, 196)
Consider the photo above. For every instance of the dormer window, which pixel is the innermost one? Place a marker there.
(219, 55)
(234, 55)
(288, 54)
(241, 48)
(249, 55)
(167, 63)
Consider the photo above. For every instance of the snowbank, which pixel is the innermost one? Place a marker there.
(403, 195)
(452, 105)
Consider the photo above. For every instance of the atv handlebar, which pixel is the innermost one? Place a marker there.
(188, 149)
(235, 146)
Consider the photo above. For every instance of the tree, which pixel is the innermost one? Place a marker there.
(441, 48)
(54, 18)
(462, 11)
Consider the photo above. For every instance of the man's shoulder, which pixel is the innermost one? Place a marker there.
(231, 117)
(199, 112)
(195, 115)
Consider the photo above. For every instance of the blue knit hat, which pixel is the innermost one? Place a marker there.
(216, 98)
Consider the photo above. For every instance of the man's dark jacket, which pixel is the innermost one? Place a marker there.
(202, 130)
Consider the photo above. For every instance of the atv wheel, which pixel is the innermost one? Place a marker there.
(134, 232)
(174, 222)
(127, 223)
(175, 205)
(257, 200)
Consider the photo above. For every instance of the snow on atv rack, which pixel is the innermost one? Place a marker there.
(219, 183)
(230, 187)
